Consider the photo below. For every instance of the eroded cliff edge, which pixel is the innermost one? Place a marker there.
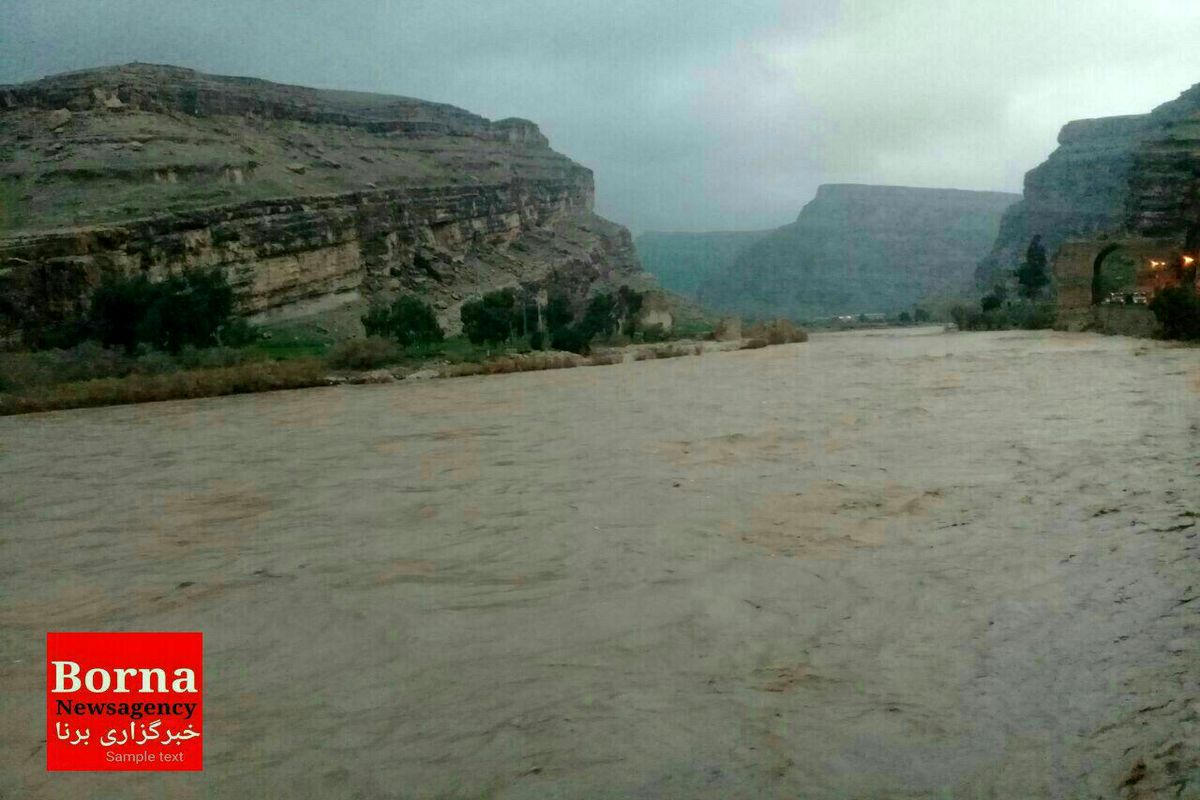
(1134, 175)
(307, 199)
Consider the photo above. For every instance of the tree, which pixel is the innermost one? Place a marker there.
(1178, 311)
(920, 315)
(571, 338)
(558, 312)
(118, 306)
(188, 309)
(600, 316)
(409, 320)
(993, 301)
(1032, 275)
(490, 319)
(377, 321)
(413, 323)
(629, 305)
(525, 315)
(195, 309)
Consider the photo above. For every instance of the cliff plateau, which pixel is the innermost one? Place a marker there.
(307, 199)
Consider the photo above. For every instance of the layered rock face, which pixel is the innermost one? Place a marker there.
(1164, 181)
(862, 249)
(1134, 175)
(306, 198)
(682, 262)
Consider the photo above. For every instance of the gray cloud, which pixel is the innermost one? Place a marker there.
(695, 115)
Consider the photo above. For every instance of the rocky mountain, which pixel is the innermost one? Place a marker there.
(862, 249)
(683, 261)
(1133, 174)
(308, 199)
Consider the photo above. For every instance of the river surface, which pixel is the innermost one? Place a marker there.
(888, 564)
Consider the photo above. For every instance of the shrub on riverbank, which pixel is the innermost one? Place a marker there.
(777, 331)
(253, 376)
(89, 374)
(1012, 315)
(1178, 312)
(368, 353)
(410, 321)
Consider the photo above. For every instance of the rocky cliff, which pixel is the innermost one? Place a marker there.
(682, 262)
(861, 249)
(308, 199)
(1136, 175)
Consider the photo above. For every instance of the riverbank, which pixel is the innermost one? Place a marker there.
(302, 372)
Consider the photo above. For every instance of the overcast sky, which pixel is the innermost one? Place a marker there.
(699, 115)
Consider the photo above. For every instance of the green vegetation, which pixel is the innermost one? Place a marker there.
(779, 331)
(1178, 311)
(919, 316)
(143, 341)
(410, 321)
(145, 387)
(13, 211)
(191, 310)
(993, 301)
(998, 312)
(1032, 276)
(494, 318)
(369, 353)
(1000, 315)
(89, 374)
(283, 345)
(498, 318)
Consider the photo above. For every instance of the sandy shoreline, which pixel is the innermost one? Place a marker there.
(879, 564)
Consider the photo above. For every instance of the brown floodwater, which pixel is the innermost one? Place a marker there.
(879, 564)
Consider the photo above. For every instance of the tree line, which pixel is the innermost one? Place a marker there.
(499, 317)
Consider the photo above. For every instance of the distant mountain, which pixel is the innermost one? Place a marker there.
(683, 261)
(861, 249)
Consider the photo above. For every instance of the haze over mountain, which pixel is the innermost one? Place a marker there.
(862, 249)
(694, 116)
(682, 262)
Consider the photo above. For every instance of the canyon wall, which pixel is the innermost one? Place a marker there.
(1133, 176)
(306, 199)
(862, 249)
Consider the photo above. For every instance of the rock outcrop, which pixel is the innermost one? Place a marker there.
(307, 199)
(862, 249)
(1121, 176)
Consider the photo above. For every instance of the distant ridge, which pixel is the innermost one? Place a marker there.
(858, 248)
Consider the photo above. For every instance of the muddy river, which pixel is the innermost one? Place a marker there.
(894, 564)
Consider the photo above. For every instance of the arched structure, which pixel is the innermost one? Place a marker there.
(1084, 276)
(1114, 272)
